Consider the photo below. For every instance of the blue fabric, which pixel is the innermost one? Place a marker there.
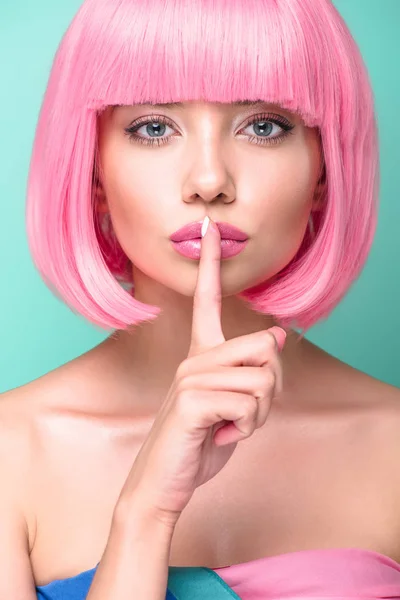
(186, 583)
(73, 588)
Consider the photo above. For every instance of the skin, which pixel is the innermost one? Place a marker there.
(221, 174)
(330, 439)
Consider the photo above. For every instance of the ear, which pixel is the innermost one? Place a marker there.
(100, 198)
(319, 195)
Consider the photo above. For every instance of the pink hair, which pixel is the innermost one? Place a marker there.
(296, 53)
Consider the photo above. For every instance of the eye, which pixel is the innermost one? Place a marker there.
(264, 125)
(155, 126)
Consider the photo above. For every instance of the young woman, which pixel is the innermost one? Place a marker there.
(204, 179)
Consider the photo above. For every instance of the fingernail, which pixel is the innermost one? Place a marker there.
(204, 226)
(280, 337)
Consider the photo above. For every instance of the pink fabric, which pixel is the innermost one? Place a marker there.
(324, 574)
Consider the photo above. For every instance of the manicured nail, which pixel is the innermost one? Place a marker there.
(282, 341)
(204, 226)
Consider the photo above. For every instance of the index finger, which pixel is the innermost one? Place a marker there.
(206, 322)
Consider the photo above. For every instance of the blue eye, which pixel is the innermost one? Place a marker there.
(264, 126)
(154, 127)
(157, 124)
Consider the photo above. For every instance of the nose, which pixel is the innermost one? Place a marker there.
(209, 178)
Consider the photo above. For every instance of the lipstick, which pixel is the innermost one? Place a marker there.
(187, 240)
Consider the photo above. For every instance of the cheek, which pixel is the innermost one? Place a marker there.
(290, 201)
(285, 196)
(288, 189)
(137, 199)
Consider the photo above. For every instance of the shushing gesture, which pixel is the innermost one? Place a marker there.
(220, 394)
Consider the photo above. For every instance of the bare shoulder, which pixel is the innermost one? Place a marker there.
(362, 399)
(373, 391)
(15, 424)
(26, 415)
(381, 429)
(17, 437)
(341, 380)
(74, 386)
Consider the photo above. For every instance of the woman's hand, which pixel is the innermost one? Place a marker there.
(221, 393)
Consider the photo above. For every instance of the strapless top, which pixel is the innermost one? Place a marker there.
(339, 573)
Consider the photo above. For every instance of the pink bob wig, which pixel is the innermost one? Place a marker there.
(295, 53)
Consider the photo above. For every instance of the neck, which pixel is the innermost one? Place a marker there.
(147, 356)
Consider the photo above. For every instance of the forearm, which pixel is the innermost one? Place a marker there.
(135, 561)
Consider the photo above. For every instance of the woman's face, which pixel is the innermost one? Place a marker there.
(232, 162)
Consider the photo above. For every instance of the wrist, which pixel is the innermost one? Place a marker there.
(140, 517)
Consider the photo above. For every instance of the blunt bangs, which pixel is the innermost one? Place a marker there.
(164, 51)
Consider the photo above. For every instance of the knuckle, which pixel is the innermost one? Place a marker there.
(188, 382)
(270, 377)
(250, 406)
(271, 381)
(268, 345)
(183, 369)
(270, 342)
(267, 381)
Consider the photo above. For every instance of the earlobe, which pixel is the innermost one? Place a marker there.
(100, 198)
(319, 200)
(319, 194)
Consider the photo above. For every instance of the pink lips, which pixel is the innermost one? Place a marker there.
(187, 240)
(193, 231)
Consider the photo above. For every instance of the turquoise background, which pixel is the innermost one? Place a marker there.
(39, 333)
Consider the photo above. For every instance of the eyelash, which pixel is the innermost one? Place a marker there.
(281, 121)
